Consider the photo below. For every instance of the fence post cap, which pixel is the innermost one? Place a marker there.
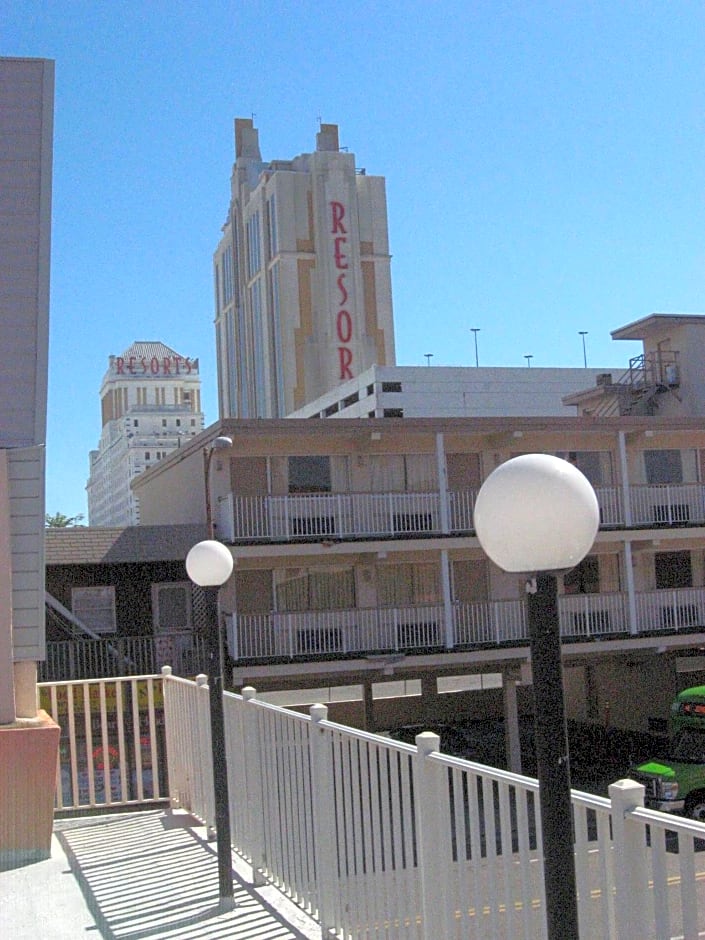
(201, 679)
(248, 693)
(319, 712)
(627, 792)
(166, 670)
(427, 742)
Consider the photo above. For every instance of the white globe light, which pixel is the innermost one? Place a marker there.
(536, 513)
(209, 563)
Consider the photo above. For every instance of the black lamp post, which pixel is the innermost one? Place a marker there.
(209, 564)
(538, 514)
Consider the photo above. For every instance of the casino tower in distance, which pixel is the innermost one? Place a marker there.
(303, 291)
(150, 401)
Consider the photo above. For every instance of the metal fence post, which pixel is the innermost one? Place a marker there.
(434, 844)
(324, 828)
(632, 899)
(253, 788)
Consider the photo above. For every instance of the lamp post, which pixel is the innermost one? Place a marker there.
(220, 443)
(209, 564)
(475, 330)
(538, 515)
(583, 334)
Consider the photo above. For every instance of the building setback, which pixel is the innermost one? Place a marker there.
(150, 402)
(303, 296)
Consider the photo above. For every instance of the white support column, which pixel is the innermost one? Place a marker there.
(629, 581)
(632, 898)
(624, 469)
(7, 686)
(511, 722)
(447, 602)
(442, 483)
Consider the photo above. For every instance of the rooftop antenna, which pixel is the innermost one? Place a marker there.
(583, 334)
(528, 360)
(475, 330)
(428, 356)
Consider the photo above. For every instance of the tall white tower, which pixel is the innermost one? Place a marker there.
(150, 400)
(303, 290)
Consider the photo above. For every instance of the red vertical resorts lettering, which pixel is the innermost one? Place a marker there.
(343, 320)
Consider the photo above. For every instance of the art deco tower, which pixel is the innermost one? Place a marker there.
(302, 277)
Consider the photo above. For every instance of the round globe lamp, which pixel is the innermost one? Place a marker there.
(209, 563)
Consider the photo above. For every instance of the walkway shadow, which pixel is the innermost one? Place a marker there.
(151, 875)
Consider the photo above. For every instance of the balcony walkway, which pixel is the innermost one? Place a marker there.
(139, 875)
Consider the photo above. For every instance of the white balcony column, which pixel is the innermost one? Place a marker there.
(442, 483)
(629, 581)
(624, 470)
(511, 721)
(447, 602)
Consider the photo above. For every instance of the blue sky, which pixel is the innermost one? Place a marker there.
(544, 166)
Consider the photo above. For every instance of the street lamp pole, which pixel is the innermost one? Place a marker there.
(475, 330)
(538, 514)
(583, 334)
(209, 564)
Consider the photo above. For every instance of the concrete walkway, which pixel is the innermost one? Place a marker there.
(139, 875)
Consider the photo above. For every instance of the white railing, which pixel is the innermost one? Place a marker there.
(677, 609)
(668, 504)
(323, 516)
(111, 745)
(289, 635)
(583, 616)
(375, 837)
(420, 628)
(491, 622)
(122, 656)
(320, 516)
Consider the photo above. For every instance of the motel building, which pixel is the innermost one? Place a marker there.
(359, 578)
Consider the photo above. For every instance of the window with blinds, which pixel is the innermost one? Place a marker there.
(317, 590)
(408, 584)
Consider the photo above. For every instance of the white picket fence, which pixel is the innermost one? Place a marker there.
(376, 838)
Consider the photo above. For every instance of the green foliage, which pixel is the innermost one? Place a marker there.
(60, 521)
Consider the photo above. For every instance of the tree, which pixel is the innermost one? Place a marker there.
(60, 521)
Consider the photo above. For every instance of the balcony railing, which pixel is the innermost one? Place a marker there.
(123, 656)
(321, 516)
(417, 629)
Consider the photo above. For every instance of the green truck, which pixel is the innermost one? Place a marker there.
(676, 784)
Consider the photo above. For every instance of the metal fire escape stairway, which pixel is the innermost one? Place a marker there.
(637, 391)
